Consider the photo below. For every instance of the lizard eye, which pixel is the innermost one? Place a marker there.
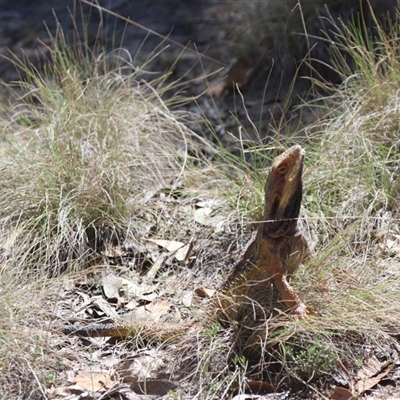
(282, 169)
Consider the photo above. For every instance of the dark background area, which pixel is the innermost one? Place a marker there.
(25, 23)
(262, 44)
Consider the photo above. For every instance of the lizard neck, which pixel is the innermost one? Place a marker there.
(290, 229)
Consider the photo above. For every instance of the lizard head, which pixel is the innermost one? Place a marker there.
(283, 193)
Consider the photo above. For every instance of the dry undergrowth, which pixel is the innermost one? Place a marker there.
(94, 165)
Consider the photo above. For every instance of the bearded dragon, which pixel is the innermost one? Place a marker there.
(273, 254)
(278, 246)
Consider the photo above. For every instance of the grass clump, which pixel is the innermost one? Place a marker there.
(86, 146)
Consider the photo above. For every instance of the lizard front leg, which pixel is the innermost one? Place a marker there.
(282, 263)
(288, 295)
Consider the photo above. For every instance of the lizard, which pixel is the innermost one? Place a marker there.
(277, 247)
(272, 255)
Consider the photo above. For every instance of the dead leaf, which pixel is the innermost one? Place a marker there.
(180, 249)
(204, 215)
(170, 245)
(139, 289)
(93, 381)
(140, 314)
(259, 387)
(371, 367)
(111, 286)
(341, 393)
(187, 298)
(150, 313)
(131, 305)
(113, 252)
(372, 372)
(120, 391)
(203, 292)
(158, 308)
(105, 307)
(124, 289)
(152, 272)
(183, 252)
(159, 387)
(141, 367)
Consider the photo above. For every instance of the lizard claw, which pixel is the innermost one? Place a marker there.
(301, 311)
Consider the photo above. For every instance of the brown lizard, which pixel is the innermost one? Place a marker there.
(274, 253)
(277, 247)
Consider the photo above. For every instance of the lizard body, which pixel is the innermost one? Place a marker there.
(273, 254)
(278, 246)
